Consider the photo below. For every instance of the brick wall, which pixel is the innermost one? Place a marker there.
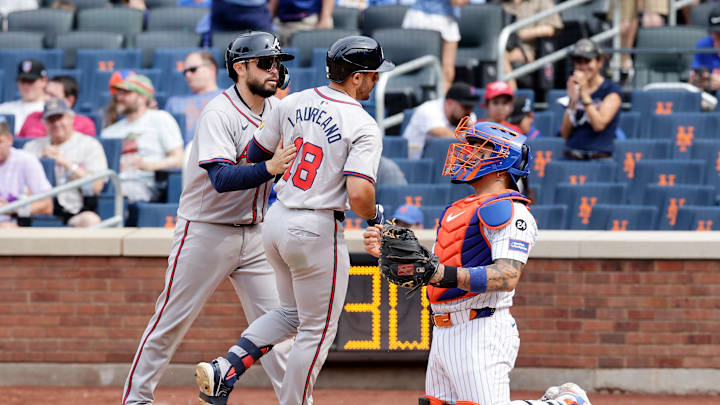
(571, 314)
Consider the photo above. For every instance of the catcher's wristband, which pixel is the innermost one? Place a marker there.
(449, 279)
(478, 279)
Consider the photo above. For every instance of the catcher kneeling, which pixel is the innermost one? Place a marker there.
(482, 245)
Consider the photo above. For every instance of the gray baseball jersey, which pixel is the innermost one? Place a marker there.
(223, 133)
(333, 141)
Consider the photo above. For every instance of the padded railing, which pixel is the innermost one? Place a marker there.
(116, 220)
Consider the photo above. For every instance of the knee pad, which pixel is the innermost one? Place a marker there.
(428, 400)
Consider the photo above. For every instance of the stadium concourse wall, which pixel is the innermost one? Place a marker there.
(619, 311)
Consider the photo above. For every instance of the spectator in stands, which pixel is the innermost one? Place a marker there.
(439, 117)
(64, 5)
(522, 117)
(363, 4)
(201, 76)
(593, 111)
(136, 4)
(8, 6)
(19, 172)
(389, 173)
(705, 69)
(409, 216)
(151, 139)
(76, 156)
(66, 88)
(499, 102)
(442, 16)
(301, 15)
(31, 81)
(111, 114)
(237, 15)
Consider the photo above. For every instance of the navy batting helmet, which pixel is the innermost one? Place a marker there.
(355, 54)
(256, 44)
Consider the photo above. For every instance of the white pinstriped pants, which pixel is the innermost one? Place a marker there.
(472, 361)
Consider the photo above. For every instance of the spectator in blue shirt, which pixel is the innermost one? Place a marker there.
(593, 109)
(238, 15)
(705, 69)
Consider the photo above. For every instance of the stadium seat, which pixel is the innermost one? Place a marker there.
(437, 149)
(683, 129)
(148, 42)
(576, 173)
(664, 67)
(664, 102)
(221, 39)
(617, 217)
(156, 214)
(670, 199)
(407, 115)
(374, 18)
(46, 221)
(10, 119)
(696, 218)
(394, 147)
(151, 4)
(699, 14)
(10, 58)
(556, 108)
(664, 172)
(544, 122)
(550, 216)
(120, 20)
(458, 191)
(306, 41)
(317, 62)
(113, 150)
(83, 4)
(346, 17)
(175, 18)
(630, 124)
(174, 186)
(301, 78)
(580, 200)
(105, 60)
(480, 26)
(180, 119)
(418, 194)
(49, 169)
(416, 170)
(49, 21)
(21, 40)
(224, 80)
(431, 215)
(543, 151)
(71, 42)
(628, 152)
(353, 221)
(709, 151)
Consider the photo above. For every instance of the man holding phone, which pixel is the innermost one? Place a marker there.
(705, 69)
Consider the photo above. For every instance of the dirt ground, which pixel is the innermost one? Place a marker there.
(188, 395)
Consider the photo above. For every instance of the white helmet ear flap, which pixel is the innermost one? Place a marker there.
(283, 76)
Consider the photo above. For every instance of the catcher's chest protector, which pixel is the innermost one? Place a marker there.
(461, 241)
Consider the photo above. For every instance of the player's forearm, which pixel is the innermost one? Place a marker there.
(502, 275)
(361, 196)
(226, 177)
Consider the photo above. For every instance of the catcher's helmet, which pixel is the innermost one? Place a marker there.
(256, 44)
(355, 54)
(487, 147)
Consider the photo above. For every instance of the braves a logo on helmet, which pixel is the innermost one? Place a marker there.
(276, 44)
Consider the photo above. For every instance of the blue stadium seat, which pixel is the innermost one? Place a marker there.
(617, 217)
(418, 194)
(113, 150)
(174, 186)
(317, 62)
(18, 143)
(629, 152)
(416, 171)
(709, 151)
(544, 121)
(353, 221)
(225, 82)
(696, 218)
(550, 216)
(459, 191)
(180, 119)
(664, 102)
(407, 115)
(10, 58)
(436, 149)
(664, 172)
(10, 119)
(2, 86)
(46, 221)
(156, 214)
(431, 215)
(96, 116)
(553, 106)
(394, 147)
(49, 169)
(543, 151)
(630, 124)
(670, 199)
(683, 129)
(302, 78)
(574, 172)
(90, 61)
(580, 200)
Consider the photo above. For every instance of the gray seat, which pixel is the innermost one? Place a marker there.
(75, 40)
(221, 39)
(49, 21)
(21, 40)
(374, 18)
(699, 14)
(306, 41)
(125, 21)
(160, 3)
(665, 67)
(480, 26)
(175, 18)
(149, 41)
(346, 17)
(85, 4)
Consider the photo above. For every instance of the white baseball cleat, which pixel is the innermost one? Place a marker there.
(569, 393)
(210, 379)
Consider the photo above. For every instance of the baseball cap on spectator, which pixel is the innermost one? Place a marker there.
(714, 20)
(55, 106)
(410, 214)
(463, 93)
(522, 107)
(118, 77)
(585, 49)
(31, 69)
(138, 84)
(495, 89)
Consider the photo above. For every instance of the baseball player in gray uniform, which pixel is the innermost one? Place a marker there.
(218, 232)
(338, 152)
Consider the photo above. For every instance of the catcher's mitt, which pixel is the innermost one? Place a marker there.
(403, 260)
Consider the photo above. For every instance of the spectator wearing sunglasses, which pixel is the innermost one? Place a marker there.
(201, 77)
(32, 78)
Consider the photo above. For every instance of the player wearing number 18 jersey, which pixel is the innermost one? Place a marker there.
(338, 152)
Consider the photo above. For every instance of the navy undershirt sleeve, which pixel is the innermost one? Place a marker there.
(227, 177)
(256, 153)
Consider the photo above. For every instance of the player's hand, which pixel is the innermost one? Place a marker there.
(371, 239)
(281, 160)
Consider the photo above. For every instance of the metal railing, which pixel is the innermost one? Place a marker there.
(115, 220)
(380, 88)
(613, 33)
(675, 5)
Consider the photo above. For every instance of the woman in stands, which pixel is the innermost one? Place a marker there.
(593, 109)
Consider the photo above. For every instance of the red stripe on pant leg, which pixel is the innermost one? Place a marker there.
(327, 320)
(167, 298)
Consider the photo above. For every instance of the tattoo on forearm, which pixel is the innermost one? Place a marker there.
(500, 274)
